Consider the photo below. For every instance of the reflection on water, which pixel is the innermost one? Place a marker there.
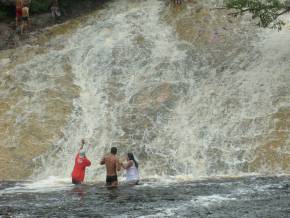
(78, 191)
(249, 197)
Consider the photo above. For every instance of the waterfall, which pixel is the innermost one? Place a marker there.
(189, 92)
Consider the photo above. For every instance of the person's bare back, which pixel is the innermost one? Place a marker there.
(25, 11)
(25, 16)
(112, 166)
(111, 163)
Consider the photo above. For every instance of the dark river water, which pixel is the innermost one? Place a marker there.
(243, 197)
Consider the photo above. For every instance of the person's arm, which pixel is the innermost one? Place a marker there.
(77, 155)
(88, 162)
(102, 162)
(118, 165)
(89, 146)
(128, 165)
(82, 145)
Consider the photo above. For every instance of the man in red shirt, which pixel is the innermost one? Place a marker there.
(81, 162)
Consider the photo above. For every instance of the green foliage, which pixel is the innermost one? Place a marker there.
(72, 3)
(3, 14)
(5, 11)
(265, 11)
(39, 6)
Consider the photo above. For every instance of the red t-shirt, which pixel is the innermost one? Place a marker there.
(78, 173)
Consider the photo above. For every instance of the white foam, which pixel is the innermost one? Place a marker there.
(212, 199)
(46, 185)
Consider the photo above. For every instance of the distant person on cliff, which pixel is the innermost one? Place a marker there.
(132, 172)
(25, 17)
(113, 165)
(177, 2)
(81, 162)
(19, 5)
(55, 11)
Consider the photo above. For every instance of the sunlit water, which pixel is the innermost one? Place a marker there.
(245, 197)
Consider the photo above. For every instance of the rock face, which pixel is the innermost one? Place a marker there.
(6, 33)
(33, 108)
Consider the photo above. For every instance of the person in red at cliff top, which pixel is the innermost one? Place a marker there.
(81, 162)
(19, 5)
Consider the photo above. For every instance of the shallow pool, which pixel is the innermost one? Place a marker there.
(243, 197)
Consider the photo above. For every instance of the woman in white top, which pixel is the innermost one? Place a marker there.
(132, 172)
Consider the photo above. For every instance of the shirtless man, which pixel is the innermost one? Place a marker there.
(177, 2)
(112, 166)
(25, 17)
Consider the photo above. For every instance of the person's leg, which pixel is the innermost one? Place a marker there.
(52, 12)
(133, 182)
(57, 12)
(22, 27)
(18, 17)
(114, 184)
(108, 181)
(75, 182)
(25, 29)
(112, 181)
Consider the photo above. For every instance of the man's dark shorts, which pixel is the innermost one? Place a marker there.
(111, 179)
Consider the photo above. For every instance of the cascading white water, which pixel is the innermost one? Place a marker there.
(182, 109)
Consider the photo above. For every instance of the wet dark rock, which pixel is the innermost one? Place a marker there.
(6, 34)
(42, 20)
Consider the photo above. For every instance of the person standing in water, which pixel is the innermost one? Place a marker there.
(81, 162)
(25, 17)
(112, 164)
(132, 172)
(55, 11)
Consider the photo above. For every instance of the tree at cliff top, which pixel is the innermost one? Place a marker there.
(267, 12)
